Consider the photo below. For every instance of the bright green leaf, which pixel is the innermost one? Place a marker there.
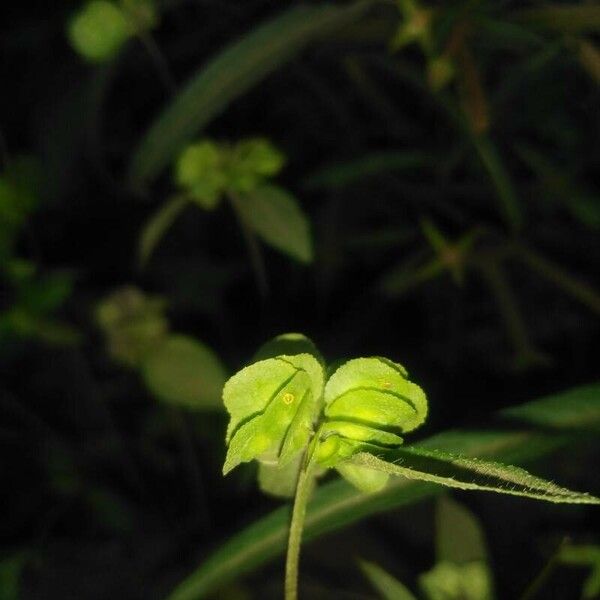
(276, 217)
(388, 586)
(376, 392)
(184, 372)
(272, 404)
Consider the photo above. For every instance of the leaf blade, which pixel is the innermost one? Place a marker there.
(453, 470)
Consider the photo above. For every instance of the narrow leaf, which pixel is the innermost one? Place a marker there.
(509, 203)
(388, 586)
(227, 76)
(276, 217)
(157, 226)
(465, 473)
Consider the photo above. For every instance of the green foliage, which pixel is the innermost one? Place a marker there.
(208, 171)
(19, 198)
(337, 504)
(100, 28)
(389, 587)
(275, 405)
(275, 216)
(227, 76)
(177, 369)
(584, 556)
(133, 323)
(449, 581)
(184, 372)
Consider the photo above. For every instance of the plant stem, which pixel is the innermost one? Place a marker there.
(254, 252)
(303, 490)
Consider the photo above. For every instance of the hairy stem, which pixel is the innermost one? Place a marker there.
(303, 490)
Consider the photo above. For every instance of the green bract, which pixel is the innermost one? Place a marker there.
(273, 404)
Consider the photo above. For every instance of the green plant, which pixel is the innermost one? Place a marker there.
(207, 172)
(177, 369)
(296, 417)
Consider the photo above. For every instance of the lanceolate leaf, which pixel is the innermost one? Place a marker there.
(337, 504)
(465, 473)
(277, 218)
(227, 76)
(272, 404)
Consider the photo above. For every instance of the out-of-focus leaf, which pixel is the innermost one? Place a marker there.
(157, 226)
(277, 218)
(509, 204)
(184, 372)
(406, 277)
(574, 18)
(388, 586)
(451, 581)
(227, 76)
(201, 171)
(589, 57)
(338, 504)
(279, 481)
(584, 556)
(366, 480)
(253, 161)
(133, 323)
(99, 30)
(10, 576)
(459, 538)
(343, 174)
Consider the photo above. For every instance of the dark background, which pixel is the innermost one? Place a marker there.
(95, 493)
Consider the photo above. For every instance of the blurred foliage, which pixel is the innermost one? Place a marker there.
(439, 203)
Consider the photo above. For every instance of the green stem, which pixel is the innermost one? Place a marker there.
(254, 252)
(303, 490)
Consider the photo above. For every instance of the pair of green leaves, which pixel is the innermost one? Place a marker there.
(177, 369)
(100, 29)
(284, 401)
(206, 172)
